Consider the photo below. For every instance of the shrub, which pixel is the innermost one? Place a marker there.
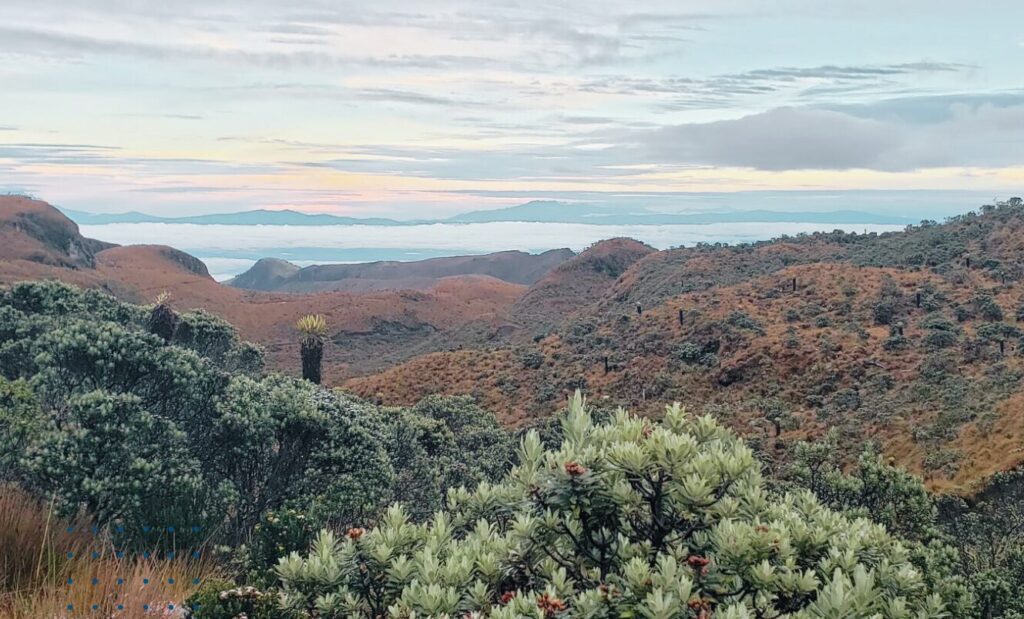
(889, 302)
(246, 358)
(964, 313)
(987, 307)
(282, 442)
(998, 332)
(742, 320)
(120, 462)
(21, 424)
(209, 335)
(896, 341)
(940, 339)
(940, 333)
(531, 359)
(624, 519)
(689, 352)
(884, 311)
(442, 443)
(791, 341)
(697, 354)
(278, 532)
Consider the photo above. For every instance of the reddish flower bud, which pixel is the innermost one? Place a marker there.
(699, 564)
(696, 561)
(575, 469)
(550, 605)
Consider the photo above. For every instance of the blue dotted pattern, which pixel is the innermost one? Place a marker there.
(120, 582)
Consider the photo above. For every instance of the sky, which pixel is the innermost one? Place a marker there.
(415, 109)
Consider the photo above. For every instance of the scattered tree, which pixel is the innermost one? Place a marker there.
(312, 330)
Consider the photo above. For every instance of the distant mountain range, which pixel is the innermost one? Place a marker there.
(536, 211)
(244, 218)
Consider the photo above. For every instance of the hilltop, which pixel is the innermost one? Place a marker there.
(32, 231)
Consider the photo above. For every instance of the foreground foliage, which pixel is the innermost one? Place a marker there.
(624, 519)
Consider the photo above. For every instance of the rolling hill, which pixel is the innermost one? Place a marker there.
(517, 267)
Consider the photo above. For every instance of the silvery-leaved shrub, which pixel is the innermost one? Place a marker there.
(625, 519)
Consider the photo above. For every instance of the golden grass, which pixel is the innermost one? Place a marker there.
(55, 569)
(984, 446)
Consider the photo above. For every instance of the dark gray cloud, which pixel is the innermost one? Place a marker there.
(781, 139)
(826, 139)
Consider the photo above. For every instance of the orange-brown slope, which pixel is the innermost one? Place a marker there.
(269, 318)
(828, 365)
(38, 242)
(33, 231)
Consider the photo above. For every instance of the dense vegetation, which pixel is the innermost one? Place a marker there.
(163, 435)
(165, 431)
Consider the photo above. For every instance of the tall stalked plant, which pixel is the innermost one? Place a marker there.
(625, 519)
(312, 330)
(162, 320)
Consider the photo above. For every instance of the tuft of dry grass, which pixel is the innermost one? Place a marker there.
(34, 545)
(51, 568)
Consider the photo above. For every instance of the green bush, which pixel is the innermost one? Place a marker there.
(741, 320)
(627, 519)
(121, 463)
(940, 332)
(210, 336)
(531, 359)
(21, 423)
(987, 307)
(99, 414)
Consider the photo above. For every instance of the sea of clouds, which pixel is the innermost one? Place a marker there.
(229, 250)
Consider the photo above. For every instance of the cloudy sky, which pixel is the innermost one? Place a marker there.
(427, 108)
